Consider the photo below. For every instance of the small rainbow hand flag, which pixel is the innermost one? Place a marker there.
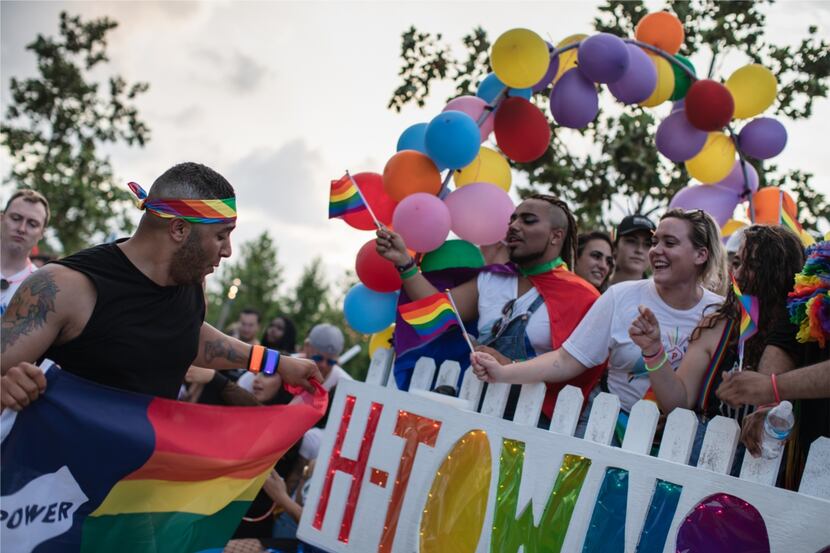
(749, 314)
(345, 198)
(429, 316)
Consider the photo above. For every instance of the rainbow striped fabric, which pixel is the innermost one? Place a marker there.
(344, 198)
(749, 314)
(89, 468)
(429, 316)
(194, 211)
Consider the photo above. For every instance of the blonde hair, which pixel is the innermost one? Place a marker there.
(705, 233)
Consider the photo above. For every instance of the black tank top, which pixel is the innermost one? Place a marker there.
(141, 336)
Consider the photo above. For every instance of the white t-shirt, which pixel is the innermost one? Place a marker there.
(604, 331)
(15, 281)
(494, 291)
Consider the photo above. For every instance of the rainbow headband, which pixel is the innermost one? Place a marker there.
(194, 211)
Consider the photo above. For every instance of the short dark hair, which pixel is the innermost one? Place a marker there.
(250, 311)
(191, 181)
(583, 239)
(33, 197)
(568, 253)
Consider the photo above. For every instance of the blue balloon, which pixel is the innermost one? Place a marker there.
(490, 87)
(368, 311)
(413, 138)
(453, 139)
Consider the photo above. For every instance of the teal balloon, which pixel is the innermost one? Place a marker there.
(368, 311)
(451, 255)
(682, 80)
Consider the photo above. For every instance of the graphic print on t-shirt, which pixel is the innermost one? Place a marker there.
(677, 346)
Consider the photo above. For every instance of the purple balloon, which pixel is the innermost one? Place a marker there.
(677, 139)
(574, 101)
(639, 80)
(734, 181)
(603, 58)
(723, 523)
(678, 105)
(551, 73)
(716, 200)
(762, 138)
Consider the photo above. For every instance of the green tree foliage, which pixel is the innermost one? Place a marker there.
(56, 124)
(621, 166)
(260, 276)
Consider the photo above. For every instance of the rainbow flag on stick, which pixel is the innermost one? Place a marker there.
(346, 198)
(749, 319)
(87, 468)
(431, 316)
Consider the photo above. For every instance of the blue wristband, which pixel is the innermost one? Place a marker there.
(272, 361)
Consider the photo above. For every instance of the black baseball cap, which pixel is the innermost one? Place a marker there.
(634, 223)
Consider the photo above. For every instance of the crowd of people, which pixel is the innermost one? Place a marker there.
(646, 312)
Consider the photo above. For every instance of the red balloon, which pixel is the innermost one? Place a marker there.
(375, 272)
(709, 105)
(371, 185)
(522, 130)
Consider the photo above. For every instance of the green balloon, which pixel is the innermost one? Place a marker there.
(682, 81)
(453, 254)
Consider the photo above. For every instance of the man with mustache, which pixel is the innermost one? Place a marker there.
(130, 314)
(508, 300)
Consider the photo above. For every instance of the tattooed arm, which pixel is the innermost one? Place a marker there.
(221, 352)
(40, 314)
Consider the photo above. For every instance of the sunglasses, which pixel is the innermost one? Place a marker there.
(320, 358)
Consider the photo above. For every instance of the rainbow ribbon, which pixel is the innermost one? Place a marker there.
(194, 211)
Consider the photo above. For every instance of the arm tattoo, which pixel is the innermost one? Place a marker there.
(221, 348)
(29, 307)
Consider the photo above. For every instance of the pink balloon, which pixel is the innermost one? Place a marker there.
(480, 212)
(734, 181)
(423, 221)
(716, 200)
(474, 107)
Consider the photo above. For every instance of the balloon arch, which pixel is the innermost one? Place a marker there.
(413, 198)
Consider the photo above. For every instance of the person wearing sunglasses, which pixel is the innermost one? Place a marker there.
(130, 314)
(324, 345)
(23, 223)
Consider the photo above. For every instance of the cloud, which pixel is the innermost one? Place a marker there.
(237, 70)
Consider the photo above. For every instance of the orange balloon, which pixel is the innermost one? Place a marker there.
(767, 203)
(661, 29)
(408, 172)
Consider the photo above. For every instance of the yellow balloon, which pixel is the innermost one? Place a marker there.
(520, 58)
(753, 88)
(665, 82)
(730, 226)
(382, 339)
(567, 60)
(488, 166)
(714, 161)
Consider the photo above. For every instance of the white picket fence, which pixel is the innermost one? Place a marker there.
(719, 444)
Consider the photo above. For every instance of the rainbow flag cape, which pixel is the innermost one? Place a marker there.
(749, 314)
(344, 198)
(90, 468)
(429, 316)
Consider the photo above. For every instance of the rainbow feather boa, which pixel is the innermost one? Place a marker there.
(809, 302)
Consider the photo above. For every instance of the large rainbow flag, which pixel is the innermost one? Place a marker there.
(429, 316)
(345, 198)
(90, 468)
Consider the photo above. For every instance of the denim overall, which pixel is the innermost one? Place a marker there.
(509, 337)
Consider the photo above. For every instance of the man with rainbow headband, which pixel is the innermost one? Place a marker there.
(528, 307)
(130, 314)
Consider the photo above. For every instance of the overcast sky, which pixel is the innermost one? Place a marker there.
(281, 97)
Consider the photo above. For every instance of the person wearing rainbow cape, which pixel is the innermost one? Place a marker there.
(507, 299)
(130, 314)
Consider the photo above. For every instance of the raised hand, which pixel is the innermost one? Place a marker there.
(390, 246)
(486, 367)
(645, 331)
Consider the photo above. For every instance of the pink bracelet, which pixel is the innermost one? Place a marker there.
(775, 389)
(658, 353)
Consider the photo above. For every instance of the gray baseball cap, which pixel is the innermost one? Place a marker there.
(327, 339)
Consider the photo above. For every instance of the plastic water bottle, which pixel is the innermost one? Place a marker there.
(777, 427)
